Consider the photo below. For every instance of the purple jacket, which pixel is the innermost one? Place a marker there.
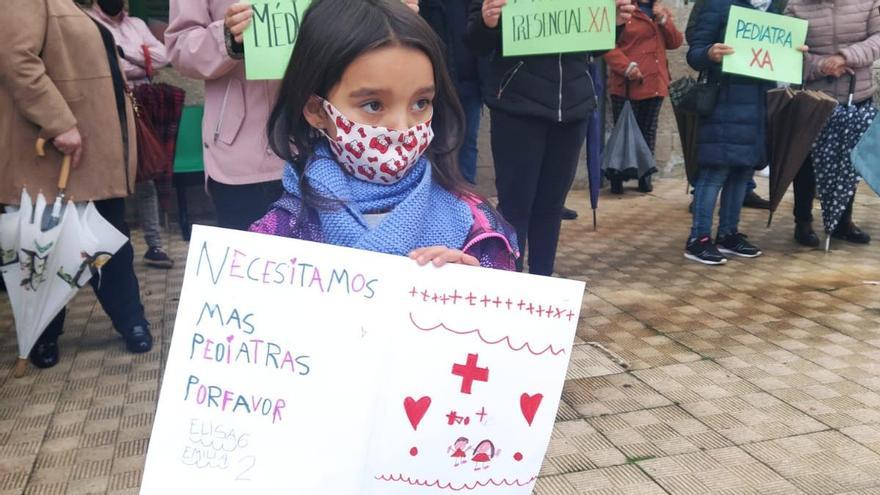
(491, 240)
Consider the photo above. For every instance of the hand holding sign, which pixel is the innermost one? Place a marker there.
(492, 12)
(718, 51)
(237, 19)
(766, 46)
(625, 10)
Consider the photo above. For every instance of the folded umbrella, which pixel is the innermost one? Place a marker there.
(836, 177)
(688, 127)
(594, 145)
(795, 120)
(44, 267)
(627, 155)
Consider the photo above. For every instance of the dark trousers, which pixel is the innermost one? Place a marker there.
(805, 193)
(472, 104)
(117, 289)
(238, 206)
(535, 164)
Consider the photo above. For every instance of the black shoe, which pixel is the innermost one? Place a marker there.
(754, 201)
(645, 184)
(616, 186)
(691, 207)
(851, 233)
(158, 258)
(805, 236)
(703, 251)
(569, 214)
(737, 245)
(138, 340)
(45, 354)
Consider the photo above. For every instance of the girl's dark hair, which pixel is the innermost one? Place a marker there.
(491, 447)
(333, 33)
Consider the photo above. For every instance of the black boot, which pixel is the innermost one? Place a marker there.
(45, 352)
(805, 236)
(138, 339)
(754, 201)
(616, 186)
(850, 233)
(645, 184)
(569, 214)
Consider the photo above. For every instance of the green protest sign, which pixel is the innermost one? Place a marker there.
(534, 27)
(766, 45)
(268, 42)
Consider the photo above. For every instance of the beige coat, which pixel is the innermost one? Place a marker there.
(54, 75)
(847, 27)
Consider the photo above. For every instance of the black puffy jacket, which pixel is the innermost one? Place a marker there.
(555, 87)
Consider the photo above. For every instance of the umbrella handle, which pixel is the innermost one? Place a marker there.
(40, 148)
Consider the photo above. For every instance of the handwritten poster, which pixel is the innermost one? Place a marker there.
(533, 27)
(326, 370)
(269, 40)
(766, 45)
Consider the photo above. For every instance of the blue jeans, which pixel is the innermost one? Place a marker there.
(732, 183)
(472, 103)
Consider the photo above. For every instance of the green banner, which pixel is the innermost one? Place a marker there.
(766, 45)
(534, 27)
(269, 40)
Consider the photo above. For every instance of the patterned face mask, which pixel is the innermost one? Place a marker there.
(377, 154)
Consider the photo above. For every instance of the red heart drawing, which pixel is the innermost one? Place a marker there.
(416, 409)
(529, 405)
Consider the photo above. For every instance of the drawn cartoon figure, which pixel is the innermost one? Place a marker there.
(459, 451)
(34, 266)
(484, 452)
(92, 263)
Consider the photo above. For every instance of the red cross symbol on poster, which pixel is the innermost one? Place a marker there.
(470, 372)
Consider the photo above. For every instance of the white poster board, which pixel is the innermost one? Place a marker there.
(310, 368)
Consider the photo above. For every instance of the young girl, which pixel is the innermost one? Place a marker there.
(732, 142)
(370, 125)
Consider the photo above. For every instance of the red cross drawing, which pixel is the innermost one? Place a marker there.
(470, 372)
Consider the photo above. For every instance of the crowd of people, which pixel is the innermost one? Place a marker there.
(310, 156)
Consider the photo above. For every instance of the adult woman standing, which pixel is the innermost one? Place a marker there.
(844, 41)
(204, 41)
(60, 79)
(639, 71)
(538, 109)
(732, 141)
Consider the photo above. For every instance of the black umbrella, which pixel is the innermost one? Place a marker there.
(836, 177)
(627, 155)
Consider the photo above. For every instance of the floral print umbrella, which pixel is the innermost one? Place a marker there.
(836, 177)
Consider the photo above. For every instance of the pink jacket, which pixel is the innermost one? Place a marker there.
(236, 149)
(131, 34)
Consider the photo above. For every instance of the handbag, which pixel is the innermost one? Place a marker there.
(152, 160)
(695, 96)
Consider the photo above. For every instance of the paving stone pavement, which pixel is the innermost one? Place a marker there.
(758, 377)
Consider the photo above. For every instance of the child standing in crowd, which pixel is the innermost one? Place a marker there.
(204, 40)
(135, 40)
(370, 132)
(732, 142)
(538, 109)
(639, 72)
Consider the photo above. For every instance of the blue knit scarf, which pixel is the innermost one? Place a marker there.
(420, 213)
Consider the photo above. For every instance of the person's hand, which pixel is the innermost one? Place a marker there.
(718, 51)
(635, 74)
(662, 13)
(413, 4)
(834, 66)
(70, 143)
(238, 18)
(803, 49)
(492, 12)
(440, 255)
(625, 9)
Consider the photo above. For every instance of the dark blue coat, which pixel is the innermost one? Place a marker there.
(736, 132)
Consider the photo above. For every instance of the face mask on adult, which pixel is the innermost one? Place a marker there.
(111, 7)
